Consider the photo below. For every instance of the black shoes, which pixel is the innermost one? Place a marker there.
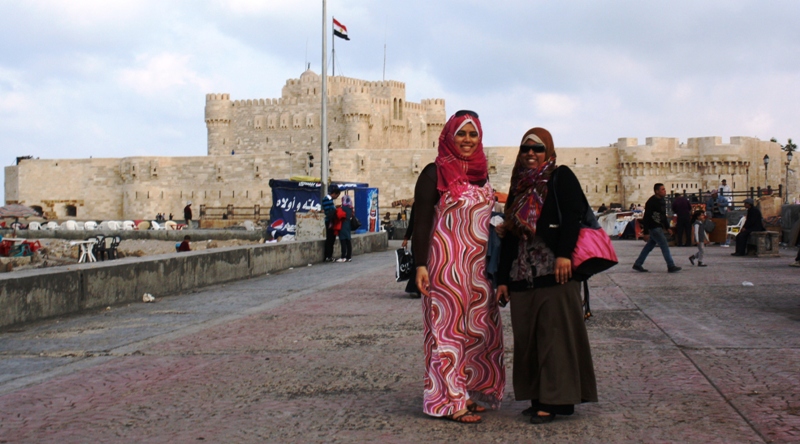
(691, 259)
(639, 268)
(700, 264)
(537, 419)
(674, 269)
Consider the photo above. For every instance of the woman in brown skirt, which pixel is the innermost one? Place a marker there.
(552, 359)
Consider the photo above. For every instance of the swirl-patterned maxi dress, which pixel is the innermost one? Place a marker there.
(463, 334)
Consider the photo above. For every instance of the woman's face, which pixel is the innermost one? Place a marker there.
(531, 159)
(467, 139)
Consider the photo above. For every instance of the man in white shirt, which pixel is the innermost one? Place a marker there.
(725, 192)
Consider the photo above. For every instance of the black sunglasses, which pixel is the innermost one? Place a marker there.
(466, 112)
(538, 148)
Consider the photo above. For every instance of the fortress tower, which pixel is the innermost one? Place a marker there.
(361, 115)
(218, 121)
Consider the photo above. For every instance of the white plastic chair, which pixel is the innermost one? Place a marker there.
(170, 225)
(128, 225)
(155, 226)
(733, 230)
(34, 226)
(248, 225)
(51, 226)
(90, 225)
(69, 225)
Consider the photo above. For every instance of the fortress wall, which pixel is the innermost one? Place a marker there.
(92, 186)
(11, 180)
(140, 187)
(596, 169)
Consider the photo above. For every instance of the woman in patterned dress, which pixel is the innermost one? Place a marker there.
(463, 337)
(552, 360)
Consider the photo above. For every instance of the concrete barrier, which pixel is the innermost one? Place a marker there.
(31, 295)
(166, 235)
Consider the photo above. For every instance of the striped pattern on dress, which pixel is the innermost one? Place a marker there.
(463, 332)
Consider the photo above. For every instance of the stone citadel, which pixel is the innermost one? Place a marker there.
(376, 137)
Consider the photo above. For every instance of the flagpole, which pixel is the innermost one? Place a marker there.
(333, 54)
(324, 114)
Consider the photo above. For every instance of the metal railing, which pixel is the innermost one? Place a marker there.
(233, 213)
(736, 198)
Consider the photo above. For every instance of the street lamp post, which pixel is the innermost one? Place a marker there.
(291, 163)
(766, 165)
(788, 161)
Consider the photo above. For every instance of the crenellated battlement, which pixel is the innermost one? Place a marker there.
(215, 97)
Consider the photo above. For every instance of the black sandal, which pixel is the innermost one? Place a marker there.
(462, 417)
(475, 408)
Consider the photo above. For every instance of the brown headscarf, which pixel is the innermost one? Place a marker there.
(529, 187)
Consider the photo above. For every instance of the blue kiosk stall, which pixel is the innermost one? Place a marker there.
(291, 197)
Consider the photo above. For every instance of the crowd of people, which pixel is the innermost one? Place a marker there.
(338, 223)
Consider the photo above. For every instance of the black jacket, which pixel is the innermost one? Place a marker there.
(754, 221)
(655, 214)
(560, 237)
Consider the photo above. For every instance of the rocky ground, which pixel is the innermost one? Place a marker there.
(59, 252)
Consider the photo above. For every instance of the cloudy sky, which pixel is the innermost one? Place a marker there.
(119, 78)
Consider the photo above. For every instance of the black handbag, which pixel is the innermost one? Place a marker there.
(405, 264)
(355, 224)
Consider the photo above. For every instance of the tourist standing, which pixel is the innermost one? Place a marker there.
(683, 226)
(655, 224)
(187, 214)
(463, 337)
(345, 213)
(329, 208)
(552, 359)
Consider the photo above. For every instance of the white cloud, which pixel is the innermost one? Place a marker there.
(555, 105)
(162, 73)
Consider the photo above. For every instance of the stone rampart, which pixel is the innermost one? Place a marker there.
(31, 295)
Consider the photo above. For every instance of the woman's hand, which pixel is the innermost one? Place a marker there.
(423, 281)
(563, 270)
(405, 243)
(502, 295)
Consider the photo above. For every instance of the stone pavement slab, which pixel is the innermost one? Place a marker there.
(332, 353)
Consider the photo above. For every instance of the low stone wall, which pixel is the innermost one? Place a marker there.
(32, 295)
(166, 235)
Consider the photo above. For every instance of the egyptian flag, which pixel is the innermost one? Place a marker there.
(339, 30)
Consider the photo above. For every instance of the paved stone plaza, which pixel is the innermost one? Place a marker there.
(333, 353)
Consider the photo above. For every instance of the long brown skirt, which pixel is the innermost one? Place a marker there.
(552, 358)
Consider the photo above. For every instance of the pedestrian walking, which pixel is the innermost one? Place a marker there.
(700, 236)
(462, 335)
(655, 224)
(553, 366)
